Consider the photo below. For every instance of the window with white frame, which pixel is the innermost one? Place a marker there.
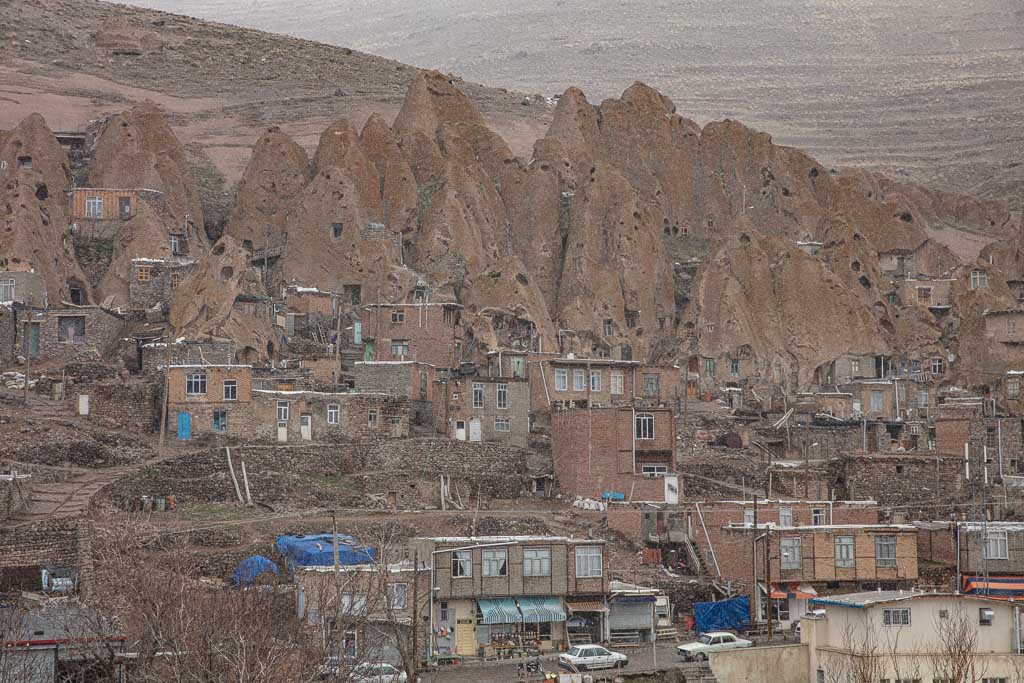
(844, 552)
(854, 367)
(502, 396)
(817, 516)
(595, 380)
(372, 418)
(579, 380)
(644, 426)
(398, 316)
(93, 207)
(607, 327)
(617, 383)
(877, 401)
(398, 595)
(979, 279)
(495, 561)
(284, 411)
(734, 367)
(785, 516)
(478, 394)
(589, 561)
(195, 384)
(748, 516)
(333, 410)
(790, 549)
(462, 563)
(175, 244)
(651, 384)
(502, 424)
(986, 615)
(896, 617)
(536, 562)
(561, 380)
(924, 296)
(937, 366)
(996, 547)
(885, 551)
(6, 290)
(400, 347)
(654, 470)
(231, 390)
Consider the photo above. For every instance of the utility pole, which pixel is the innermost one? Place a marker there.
(415, 617)
(768, 576)
(753, 561)
(28, 355)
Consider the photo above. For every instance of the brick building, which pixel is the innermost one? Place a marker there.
(477, 408)
(621, 451)
(932, 293)
(424, 332)
(994, 442)
(411, 379)
(208, 399)
(489, 590)
(902, 480)
(65, 334)
(151, 282)
(153, 355)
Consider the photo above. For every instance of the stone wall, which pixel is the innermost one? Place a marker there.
(154, 354)
(901, 479)
(102, 331)
(8, 334)
(134, 407)
(157, 285)
(25, 549)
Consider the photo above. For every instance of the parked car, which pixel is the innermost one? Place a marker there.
(377, 672)
(586, 657)
(715, 641)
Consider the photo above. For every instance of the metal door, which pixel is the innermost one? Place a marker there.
(124, 205)
(460, 430)
(306, 426)
(282, 432)
(474, 429)
(357, 333)
(30, 342)
(184, 426)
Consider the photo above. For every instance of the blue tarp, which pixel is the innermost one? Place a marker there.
(249, 569)
(317, 550)
(725, 615)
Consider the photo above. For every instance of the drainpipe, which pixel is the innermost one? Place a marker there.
(1016, 627)
(958, 581)
(999, 445)
(633, 409)
(896, 391)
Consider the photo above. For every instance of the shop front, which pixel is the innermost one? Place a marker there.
(510, 627)
(587, 621)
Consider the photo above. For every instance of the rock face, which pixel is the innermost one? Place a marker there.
(34, 176)
(138, 150)
(210, 303)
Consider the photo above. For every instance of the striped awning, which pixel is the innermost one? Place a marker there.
(586, 606)
(499, 611)
(994, 586)
(541, 610)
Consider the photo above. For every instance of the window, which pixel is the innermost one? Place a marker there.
(220, 421)
(821, 676)
(336, 229)
(495, 562)
(333, 409)
(400, 347)
(502, 424)
(1011, 326)
(588, 561)
(371, 418)
(995, 546)
(502, 396)
(993, 680)
(885, 551)
(398, 594)
(579, 380)
(734, 367)
(617, 383)
(844, 552)
(1012, 386)
(6, 290)
(924, 296)
(979, 279)
(817, 517)
(877, 401)
(644, 426)
(891, 298)
(607, 327)
(937, 366)
(991, 437)
(353, 603)
(175, 244)
(790, 547)
(632, 318)
(195, 384)
(175, 280)
(986, 615)
(785, 516)
(709, 366)
(561, 380)
(442, 612)
(284, 411)
(651, 384)
(595, 380)
(24, 162)
(398, 316)
(748, 516)
(654, 470)
(855, 367)
(536, 562)
(144, 274)
(922, 399)
(93, 207)
(231, 390)
(896, 617)
(462, 563)
(478, 395)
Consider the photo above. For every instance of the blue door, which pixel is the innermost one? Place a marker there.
(184, 426)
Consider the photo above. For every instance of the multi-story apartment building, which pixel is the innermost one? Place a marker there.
(490, 591)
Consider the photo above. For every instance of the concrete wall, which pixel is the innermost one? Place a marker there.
(784, 664)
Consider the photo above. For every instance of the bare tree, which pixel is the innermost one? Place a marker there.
(957, 658)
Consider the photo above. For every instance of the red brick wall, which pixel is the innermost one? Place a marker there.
(431, 337)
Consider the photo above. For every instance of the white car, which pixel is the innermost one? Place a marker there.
(715, 641)
(377, 672)
(587, 657)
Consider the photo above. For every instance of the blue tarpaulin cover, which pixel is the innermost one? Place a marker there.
(316, 550)
(249, 569)
(725, 615)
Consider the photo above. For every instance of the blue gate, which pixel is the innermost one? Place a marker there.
(184, 426)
